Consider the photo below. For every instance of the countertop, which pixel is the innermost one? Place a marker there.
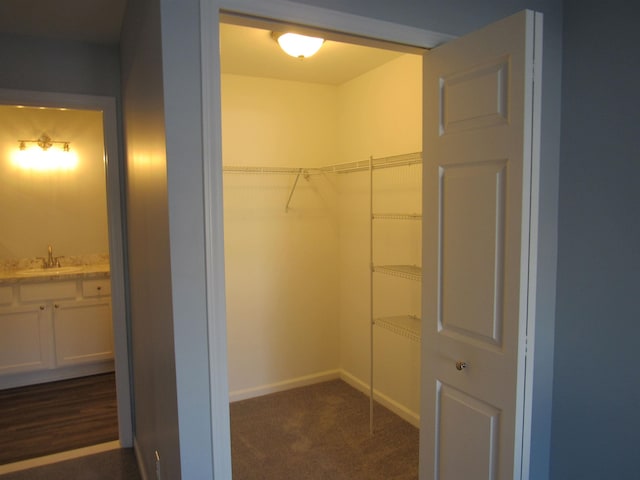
(99, 270)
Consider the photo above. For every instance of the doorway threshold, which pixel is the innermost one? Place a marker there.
(59, 457)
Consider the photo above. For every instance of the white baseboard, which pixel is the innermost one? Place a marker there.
(139, 460)
(58, 457)
(325, 376)
(55, 374)
(403, 412)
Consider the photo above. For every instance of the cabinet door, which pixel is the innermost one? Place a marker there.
(83, 331)
(25, 339)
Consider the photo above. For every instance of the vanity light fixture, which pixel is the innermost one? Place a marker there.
(44, 142)
(41, 155)
(299, 46)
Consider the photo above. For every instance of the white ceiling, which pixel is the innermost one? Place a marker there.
(244, 50)
(252, 51)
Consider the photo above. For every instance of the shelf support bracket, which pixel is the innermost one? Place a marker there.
(293, 189)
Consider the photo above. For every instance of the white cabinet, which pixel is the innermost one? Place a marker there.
(82, 331)
(25, 339)
(54, 329)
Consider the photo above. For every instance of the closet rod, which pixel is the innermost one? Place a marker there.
(271, 170)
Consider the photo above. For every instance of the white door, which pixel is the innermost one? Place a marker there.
(478, 143)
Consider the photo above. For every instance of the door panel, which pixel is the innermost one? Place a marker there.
(478, 152)
(468, 435)
(472, 239)
(475, 98)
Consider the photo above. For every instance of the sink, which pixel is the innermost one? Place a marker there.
(39, 271)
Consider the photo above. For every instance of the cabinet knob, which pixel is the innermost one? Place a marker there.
(55, 305)
(99, 288)
(41, 307)
(461, 366)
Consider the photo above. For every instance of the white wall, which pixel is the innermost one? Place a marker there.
(277, 122)
(66, 209)
(282, 316)
(298, 281)
(380, 115)
(381, 111)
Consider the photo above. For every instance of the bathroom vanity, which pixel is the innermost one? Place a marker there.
(54, 324)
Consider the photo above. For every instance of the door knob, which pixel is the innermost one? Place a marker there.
(461, 365)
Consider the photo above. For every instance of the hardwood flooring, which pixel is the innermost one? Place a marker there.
(54, 417)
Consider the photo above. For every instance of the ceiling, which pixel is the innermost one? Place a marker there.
(244, 50)
(252, 51)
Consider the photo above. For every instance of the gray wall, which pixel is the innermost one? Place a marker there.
(152, 353)
(30, 63)
(162, 115)
(596, 422)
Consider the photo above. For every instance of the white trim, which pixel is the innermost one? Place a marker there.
(533, 243)
(23, 379)
(214, 241)
(322, 18)
(107, 106)
(212, 169)
(403, 412)
(59, 457)
(303, 381)
(286, 11)
(139, 460)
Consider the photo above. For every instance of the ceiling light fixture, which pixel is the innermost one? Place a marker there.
(299, 46)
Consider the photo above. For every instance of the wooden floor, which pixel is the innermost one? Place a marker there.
(54, 417)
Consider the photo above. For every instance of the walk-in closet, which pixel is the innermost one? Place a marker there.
(322, 216)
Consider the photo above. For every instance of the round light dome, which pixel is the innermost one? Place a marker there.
(299, 46)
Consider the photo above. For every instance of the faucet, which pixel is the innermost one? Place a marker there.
(51, 261)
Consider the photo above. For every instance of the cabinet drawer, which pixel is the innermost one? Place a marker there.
(6, 295)
(96, 288)
(47, 291)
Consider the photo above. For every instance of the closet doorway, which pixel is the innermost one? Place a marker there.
(481, 198)
(311, 148)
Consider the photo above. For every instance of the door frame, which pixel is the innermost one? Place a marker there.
(359, 26)
(114, 190)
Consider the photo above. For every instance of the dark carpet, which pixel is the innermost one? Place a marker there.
(320, 432)
(112, 465)
(54, 417)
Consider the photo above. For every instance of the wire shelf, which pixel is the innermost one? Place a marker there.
(409, 272)
(408, 326)
(397, 216)
(360, 165)
(376, 163)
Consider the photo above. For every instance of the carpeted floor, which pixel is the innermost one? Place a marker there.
(320, 432)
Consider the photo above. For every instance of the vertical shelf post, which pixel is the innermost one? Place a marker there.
(371, 295)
